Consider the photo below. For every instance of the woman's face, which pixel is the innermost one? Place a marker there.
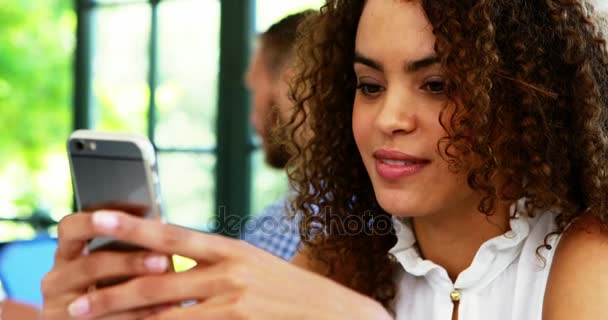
(396, 112)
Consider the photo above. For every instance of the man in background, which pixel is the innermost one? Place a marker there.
(269, 71)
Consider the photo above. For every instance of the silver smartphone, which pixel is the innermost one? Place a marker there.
(114, 171)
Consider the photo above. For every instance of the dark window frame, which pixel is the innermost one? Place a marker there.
(234, 144)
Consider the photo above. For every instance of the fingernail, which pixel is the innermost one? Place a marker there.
(156, 263)
(79, 307)
(105, 220)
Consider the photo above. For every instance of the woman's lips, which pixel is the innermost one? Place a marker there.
(394, 164)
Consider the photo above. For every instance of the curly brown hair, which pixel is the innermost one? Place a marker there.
(531, 78)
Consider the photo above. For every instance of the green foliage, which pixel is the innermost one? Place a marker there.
(36, 44)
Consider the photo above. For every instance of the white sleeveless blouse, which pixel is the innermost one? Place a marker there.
(506, 280)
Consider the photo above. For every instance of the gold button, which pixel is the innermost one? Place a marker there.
(455, 295)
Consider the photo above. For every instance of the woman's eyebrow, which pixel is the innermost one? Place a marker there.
(421, 64)
(410, 67)
(359, 58)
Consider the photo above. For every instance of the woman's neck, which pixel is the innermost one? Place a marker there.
(452, 239)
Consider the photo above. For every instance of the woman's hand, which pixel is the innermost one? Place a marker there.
(74, 273)
(231, 281)
(13, 310)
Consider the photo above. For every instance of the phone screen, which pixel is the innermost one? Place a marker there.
(112, 183)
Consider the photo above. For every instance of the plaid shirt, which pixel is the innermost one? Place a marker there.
(273, 231)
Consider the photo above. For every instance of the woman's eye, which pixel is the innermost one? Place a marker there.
(435, 86)
(369, 89)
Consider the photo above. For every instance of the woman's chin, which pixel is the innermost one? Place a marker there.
(400, 208)
(400, 201)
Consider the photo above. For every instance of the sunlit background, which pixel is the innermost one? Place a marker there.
(125, 47)
(37, 40)
(37, 98)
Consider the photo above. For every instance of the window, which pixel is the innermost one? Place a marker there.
(172, 46)
(184, 128)
(168, 69)
(36, 43)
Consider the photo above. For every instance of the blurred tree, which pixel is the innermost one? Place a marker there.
(36, 43)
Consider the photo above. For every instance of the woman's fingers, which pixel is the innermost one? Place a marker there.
(73, 233)
(198, 284)
(76, 229)
(85, 271)
(168, 238)
(128, 315)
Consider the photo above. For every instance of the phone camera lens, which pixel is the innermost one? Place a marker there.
(79, 145)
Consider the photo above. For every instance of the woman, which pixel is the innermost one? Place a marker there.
(480, 126)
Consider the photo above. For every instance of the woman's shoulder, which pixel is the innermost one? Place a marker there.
(578, 281)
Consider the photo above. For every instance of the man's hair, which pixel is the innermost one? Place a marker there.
(278, 41)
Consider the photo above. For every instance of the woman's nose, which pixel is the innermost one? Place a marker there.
(397, 114)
